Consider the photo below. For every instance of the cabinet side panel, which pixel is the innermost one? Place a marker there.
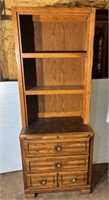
(27, 33)
(29, 69)
(16, 26)
(90, 160)
(23, 161)
(32, 108)
(88, 69)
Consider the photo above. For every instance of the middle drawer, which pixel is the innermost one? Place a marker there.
(34, 165)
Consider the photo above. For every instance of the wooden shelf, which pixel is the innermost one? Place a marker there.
(57, 125)
(82, 54)
(47, 90)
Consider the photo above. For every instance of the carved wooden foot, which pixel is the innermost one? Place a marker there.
(86, 191)
(29, 196)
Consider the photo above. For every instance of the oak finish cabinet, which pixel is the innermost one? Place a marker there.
(54, 53)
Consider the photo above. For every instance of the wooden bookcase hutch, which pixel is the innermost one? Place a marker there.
(54, 53)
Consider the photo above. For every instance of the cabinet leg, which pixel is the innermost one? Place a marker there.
(29, 196)
(86, 191)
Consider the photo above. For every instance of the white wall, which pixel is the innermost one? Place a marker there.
(99, 118)
(10, 124)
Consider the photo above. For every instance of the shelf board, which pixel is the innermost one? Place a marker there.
(82, 54)
(48, 90)
(57, 125)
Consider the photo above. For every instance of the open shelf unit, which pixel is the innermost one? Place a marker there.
(54, 52)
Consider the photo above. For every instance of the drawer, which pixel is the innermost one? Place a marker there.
(74, 146)
(71, 179)
(42, 180)
(34, 165)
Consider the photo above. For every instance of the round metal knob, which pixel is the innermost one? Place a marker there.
(73, 179)
(43, 181)
(58, 147)
(58, 164)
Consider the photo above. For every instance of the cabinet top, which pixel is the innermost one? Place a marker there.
(48, 10)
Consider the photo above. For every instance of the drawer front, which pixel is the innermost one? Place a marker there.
(34, 165)
(72, 179)
(75, 146)
(42, 180)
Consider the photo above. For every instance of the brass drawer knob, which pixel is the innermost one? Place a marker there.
(73, 179)
(58, 147)
(58, 164)
(43, 181)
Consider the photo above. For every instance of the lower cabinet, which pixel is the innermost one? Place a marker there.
(57, 163)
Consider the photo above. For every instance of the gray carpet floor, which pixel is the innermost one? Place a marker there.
(11, 187)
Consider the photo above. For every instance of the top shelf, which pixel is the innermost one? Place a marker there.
(81, 54)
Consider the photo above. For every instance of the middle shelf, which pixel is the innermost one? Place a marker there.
(79, 54)
(48, 90)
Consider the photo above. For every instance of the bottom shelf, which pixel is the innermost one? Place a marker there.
(57, 125)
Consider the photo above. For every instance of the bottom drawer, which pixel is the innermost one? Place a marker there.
(54, 180)
(42, 180)
(72, 179)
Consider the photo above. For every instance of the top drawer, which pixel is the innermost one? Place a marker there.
(60, 147)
